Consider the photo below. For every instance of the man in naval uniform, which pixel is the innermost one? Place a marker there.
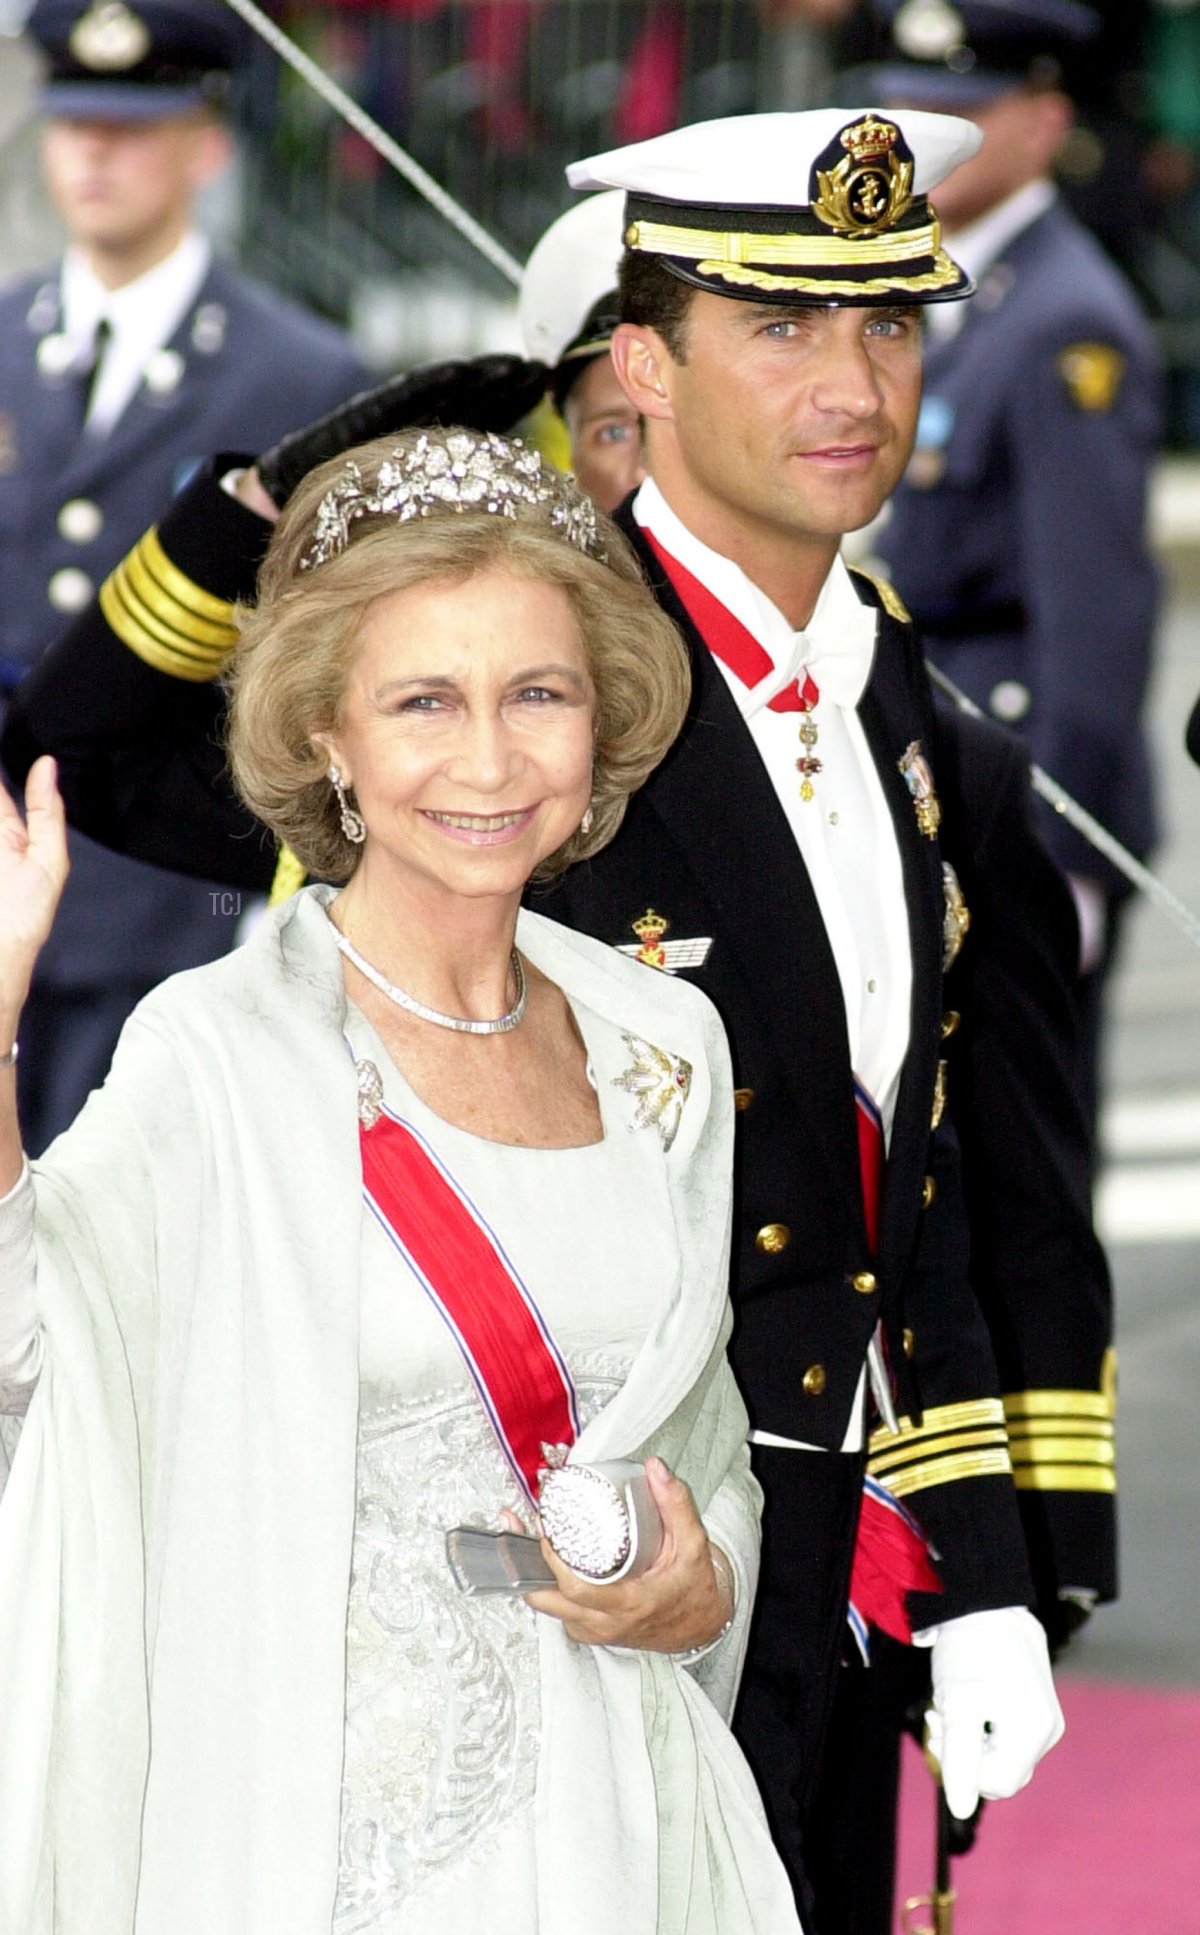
(1018, 536)
(772, 285)
(118, 372)
(1036, 1266)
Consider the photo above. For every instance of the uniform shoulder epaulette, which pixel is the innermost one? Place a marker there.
(163, 616)
(887, 595)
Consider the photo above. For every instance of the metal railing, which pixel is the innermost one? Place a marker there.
(493, 98)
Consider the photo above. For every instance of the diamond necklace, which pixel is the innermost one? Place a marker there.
(500, 1026)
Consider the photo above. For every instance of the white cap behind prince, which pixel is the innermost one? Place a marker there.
(568, 300)
(820, 206)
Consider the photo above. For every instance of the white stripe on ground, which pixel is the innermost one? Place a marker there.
(1149, 1203)
(1137, 1126)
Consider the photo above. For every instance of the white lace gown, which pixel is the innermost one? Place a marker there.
(442, 1695)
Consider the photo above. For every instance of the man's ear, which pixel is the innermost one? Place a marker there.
(212, 152)
(643, 364)
(1056, 119)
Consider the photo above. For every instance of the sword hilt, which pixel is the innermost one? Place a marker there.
(940, 1906)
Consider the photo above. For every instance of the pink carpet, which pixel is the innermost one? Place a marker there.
(1106, 1840)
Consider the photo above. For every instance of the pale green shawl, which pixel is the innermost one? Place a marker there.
(175, 1536)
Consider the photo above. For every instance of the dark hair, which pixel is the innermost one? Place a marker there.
(590, 340)
(652, 296)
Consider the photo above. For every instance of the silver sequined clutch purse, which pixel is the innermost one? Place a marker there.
(601, 1519)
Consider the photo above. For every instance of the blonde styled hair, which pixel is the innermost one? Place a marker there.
(297, 647)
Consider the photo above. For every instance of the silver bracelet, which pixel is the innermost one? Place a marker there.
(722, 1566)
(9, 1060)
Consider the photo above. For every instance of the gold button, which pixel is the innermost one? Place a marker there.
(864, 1283)
(909, 1342)
(814, 1380)
(928, 1192)
(742, 1098)
(772, 1238)
(950, 1021)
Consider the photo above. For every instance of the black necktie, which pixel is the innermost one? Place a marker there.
(90, 372)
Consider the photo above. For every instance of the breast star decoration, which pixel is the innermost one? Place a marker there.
(956, 921)
(661, 1082)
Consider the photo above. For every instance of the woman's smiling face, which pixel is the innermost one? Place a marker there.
(467, 731)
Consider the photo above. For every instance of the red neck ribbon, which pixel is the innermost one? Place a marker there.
(726, 636)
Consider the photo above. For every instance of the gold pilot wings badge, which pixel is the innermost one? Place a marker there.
(656, 951)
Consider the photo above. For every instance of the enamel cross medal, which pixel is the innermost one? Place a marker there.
(807, 766)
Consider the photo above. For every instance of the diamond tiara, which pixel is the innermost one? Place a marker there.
(454, 470)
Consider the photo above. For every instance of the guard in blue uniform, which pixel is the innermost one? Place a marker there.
(1018, 536)
(119, 370)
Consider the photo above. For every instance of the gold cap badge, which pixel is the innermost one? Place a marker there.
(928, 29)
(870, 188)
(109, 38)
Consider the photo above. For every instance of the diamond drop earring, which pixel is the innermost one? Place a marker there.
(353, 825)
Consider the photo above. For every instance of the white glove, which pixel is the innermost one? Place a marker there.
(994, 1711)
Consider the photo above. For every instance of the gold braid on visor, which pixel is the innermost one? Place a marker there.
(747, 260)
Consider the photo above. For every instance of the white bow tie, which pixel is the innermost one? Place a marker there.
(836, 655)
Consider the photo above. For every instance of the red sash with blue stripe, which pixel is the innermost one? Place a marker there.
(505, 1342)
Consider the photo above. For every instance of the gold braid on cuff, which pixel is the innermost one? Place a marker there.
(168, 621)
(952, 1441)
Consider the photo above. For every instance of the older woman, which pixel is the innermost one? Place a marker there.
(413, 1187)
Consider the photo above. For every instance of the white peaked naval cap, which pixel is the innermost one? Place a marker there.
(826, 205)
(568, 300)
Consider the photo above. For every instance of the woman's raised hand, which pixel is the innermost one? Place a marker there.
(33, 870)
(682, 1601)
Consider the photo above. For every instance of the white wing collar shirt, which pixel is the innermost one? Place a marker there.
(845, 832)
(142, 317)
